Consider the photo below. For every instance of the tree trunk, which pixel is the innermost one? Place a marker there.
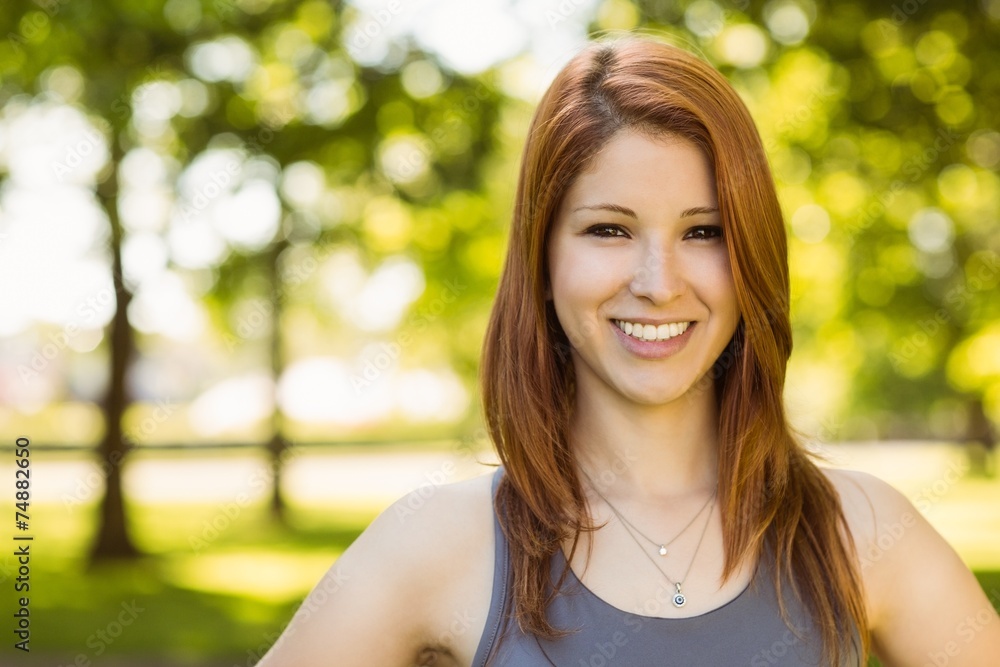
(278, 446)
(981, 437)
(112, 540)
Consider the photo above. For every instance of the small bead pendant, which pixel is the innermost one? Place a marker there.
(679, 600)
(663, 550)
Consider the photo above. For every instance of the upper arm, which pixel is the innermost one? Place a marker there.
(925, 606)
(376, 604)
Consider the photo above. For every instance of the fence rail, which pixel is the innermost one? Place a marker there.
(379, 443)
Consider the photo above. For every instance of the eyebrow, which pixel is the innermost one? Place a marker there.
(624, 210)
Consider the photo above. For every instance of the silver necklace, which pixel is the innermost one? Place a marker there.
(661, 547)
(678, 599)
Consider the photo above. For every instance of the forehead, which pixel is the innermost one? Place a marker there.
(661, 173)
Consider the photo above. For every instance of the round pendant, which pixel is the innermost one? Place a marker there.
(663, 550)
(679, 600)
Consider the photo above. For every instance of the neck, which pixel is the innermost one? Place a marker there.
(657, 452)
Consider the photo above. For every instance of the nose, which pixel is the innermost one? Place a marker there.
(658, 277)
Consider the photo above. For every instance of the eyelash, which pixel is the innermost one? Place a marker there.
(715, 231)
(597, 230)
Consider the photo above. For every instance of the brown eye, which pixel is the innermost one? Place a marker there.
(606, 231)
(705, 233)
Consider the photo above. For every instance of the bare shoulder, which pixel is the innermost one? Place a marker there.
(436, 533)
(869, 503)
(924, 603)
(430, 552)
(439, 519)
(880, 518)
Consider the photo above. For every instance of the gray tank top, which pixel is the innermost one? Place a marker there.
(747, 630)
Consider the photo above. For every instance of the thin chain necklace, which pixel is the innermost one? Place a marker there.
(678, 599)
(661, 547)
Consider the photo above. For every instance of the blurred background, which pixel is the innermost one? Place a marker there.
(248, 250)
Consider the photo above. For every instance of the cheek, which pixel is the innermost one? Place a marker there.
(580, 289)
(581, 276)
(715, 283)
(562, 288)
(570, 295)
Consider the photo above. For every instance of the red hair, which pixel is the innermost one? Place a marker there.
(771, 494)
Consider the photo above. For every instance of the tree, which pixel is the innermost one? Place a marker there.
(123, 48)
(879, 123)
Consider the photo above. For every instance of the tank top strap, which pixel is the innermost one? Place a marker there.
(501, 582)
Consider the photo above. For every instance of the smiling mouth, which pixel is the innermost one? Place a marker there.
(652, 332)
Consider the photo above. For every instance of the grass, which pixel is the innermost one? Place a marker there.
(218, 585)
(199, 598)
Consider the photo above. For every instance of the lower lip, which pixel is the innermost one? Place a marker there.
(654, 349)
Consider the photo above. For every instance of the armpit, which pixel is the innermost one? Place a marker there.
(435, 656)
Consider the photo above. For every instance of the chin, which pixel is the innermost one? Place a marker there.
(653, 397)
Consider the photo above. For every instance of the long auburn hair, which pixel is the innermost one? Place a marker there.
(771, 493)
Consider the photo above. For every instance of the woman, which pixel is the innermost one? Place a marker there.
(632, 380)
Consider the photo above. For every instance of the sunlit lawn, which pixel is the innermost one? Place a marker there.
(218, 601)
(219, 594)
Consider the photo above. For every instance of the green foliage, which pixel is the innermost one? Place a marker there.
(879, 119)
(880, 122)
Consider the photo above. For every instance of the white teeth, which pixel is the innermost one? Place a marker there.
(651, 332)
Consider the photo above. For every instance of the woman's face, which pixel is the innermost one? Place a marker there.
(639, 272)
